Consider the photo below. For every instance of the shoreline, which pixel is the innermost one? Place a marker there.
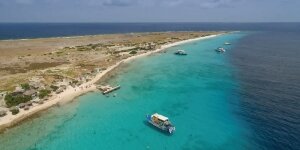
(71, 93)
(91, 35)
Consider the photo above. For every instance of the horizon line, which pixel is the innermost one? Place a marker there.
(155, 22)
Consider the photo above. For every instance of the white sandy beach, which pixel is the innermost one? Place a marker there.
(70, 93)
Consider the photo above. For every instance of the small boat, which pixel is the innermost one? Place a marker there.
(180, 52)
(220, 50)
(161, 122)
(227, 43)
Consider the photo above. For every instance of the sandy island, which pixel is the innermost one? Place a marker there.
(70, 93)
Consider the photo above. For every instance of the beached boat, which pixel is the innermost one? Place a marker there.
(180, 52)
(220, 50)
(161, 122)
(227, 43)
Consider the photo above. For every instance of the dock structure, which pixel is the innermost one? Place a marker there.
(107, 88)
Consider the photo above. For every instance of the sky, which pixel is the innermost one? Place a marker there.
(149, 10)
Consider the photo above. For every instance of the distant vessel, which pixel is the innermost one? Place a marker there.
(220, 50)
(180, 52)
(227, 43)
(161, 122)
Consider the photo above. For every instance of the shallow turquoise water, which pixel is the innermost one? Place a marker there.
(197, 92)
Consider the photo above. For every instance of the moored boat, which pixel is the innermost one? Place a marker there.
(161, 122)
(220, 50)
(180, 52)
(227, 43)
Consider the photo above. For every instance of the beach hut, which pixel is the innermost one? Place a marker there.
(14, 110)
(37, 85)
(36, 100)
(18, 90)
(48, 88)
(80, 82)
(63, 87)
(97, 70)
(31, 93)
(59, 90)
(41, 102)
(26, 108)
(29, 103)
(22, 105)
(2, 113)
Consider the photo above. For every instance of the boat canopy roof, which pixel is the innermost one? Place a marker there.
(180, 50)
(160, 117)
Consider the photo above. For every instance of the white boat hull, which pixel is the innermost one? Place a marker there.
(169, 129)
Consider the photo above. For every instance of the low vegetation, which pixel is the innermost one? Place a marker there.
(44, 93)
(133, 52)
(53, 87)
(25, 86)
(14, 100)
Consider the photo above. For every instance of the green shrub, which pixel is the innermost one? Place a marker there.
(94, 46)
(133, 52)
(44, 93)
(25, 86)
(75, 81)
(59, 53)
(12, 100)
(53, 87)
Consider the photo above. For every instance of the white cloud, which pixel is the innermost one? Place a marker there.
(216, 3)
(119, 2)
(24, 1)
(126, 3)
(196, 3)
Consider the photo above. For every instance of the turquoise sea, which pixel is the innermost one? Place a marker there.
(246, 98)
(198, 92)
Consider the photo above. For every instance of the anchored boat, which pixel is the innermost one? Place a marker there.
(220, 50)
(227, 43)
(180, 52)
(161, 122)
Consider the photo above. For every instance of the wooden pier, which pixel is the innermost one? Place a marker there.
(107, 88)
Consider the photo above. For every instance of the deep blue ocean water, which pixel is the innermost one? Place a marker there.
(246, 98)
(268, 65)
(42, 30)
